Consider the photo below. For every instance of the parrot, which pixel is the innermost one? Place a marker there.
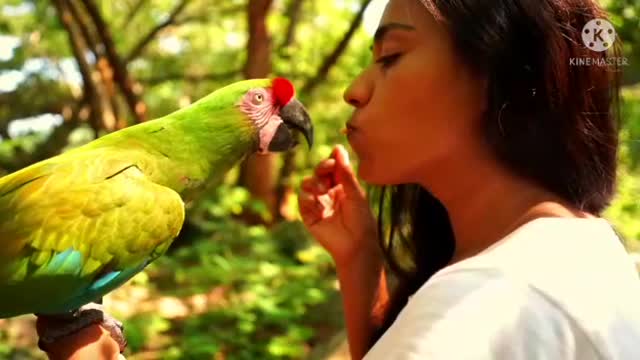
(80, 224)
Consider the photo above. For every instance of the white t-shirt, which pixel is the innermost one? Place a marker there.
(556, 288)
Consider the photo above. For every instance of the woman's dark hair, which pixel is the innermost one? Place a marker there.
(548, 119)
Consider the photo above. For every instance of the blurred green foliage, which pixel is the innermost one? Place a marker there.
(268, 293)
(226, 290)
(625, 210)
(273, 282)
(625, 15)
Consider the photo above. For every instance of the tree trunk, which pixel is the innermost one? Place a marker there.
(258, 172)
(80, 40)
(114, 69)
(285, 192)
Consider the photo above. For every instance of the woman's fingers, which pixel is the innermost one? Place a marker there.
(321, 195)
(337, 194)
(319, 205)
(326, 172)
(314, 185)
(310, 208)
(325, 167)
(310, 201)
(344, 173)
(308, 184)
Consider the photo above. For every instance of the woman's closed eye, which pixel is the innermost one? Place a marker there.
(388, 60)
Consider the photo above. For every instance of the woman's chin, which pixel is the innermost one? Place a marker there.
(373, 174)
(364, 173)
(381, 177)
(371, 177)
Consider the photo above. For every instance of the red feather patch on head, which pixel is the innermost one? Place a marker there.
(283, 91)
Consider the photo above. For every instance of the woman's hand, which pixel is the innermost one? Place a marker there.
(92, 342)
(335, 209)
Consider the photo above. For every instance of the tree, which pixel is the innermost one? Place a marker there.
(625, 15)
(257, 172)
(181, 50)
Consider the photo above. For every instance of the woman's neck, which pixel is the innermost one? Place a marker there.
(488, 203)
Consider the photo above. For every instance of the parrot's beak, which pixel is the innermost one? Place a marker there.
(295, 118)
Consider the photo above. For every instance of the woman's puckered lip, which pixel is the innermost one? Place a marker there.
(351, 126)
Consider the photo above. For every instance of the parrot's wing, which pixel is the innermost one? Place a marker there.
(63, 247)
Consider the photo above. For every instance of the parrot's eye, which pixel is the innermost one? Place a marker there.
(258, 99)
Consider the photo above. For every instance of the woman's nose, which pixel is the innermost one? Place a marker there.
(359, 92)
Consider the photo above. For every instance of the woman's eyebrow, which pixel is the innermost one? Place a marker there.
(383, 30)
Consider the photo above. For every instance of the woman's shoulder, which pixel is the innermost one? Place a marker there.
(560, 257)
(480, 314)
(551, 284)
(485, 313)
(578, 265)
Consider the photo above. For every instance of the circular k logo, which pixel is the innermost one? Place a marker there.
(598, 35)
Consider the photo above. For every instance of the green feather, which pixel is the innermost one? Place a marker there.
(78, 225)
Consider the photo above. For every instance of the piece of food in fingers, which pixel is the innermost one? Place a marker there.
(327, 203)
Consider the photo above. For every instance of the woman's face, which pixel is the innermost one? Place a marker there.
(416, 106)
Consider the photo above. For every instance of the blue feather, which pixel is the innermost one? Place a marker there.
(104, 281)
(66, 262)
(74, 290)
(102, 286)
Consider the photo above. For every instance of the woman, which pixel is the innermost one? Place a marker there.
(497, 157)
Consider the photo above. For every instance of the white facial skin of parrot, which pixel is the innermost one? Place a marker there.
(276, 114)
(260, 106)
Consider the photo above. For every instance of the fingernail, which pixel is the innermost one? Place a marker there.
(345, 154)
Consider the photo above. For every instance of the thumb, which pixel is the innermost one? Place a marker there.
(344, 172)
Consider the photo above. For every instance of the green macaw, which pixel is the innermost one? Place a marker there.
(78, 225)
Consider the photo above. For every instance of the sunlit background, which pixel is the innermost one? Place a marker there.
(243, 280)
(66, 71)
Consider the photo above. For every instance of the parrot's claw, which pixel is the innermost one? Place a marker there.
(66, 324)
